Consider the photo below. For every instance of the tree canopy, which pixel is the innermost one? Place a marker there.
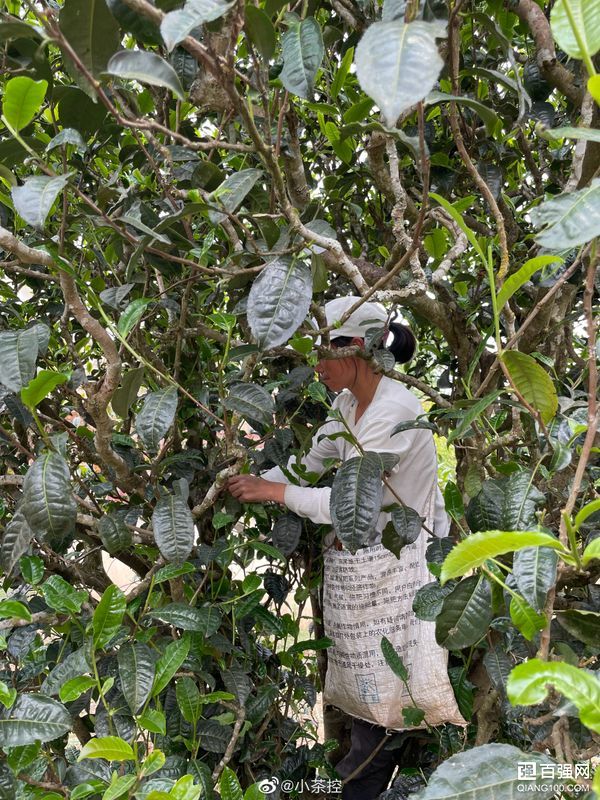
(182, 187)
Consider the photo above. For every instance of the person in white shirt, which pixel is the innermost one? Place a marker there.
(371, 405)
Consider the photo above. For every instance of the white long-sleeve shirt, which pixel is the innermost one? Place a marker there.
(413, 476)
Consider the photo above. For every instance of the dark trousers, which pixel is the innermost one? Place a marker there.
(374, 777)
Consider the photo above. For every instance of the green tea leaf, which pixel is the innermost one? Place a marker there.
(303, 51)
(393, 659)
(473, 551)
(169, 663)
(514, 282)
(23, 98)
(532, 382)
(33, 717)
(176, 25)
(112, 748)
(74, 688)
(14, 608)
(397, 64)
(146, 67)
(528, 684)
(132, 315)
(585, 16)
(35, 198)
(108, 616)
(41, 386)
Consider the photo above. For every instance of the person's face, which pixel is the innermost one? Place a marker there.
(338, 373)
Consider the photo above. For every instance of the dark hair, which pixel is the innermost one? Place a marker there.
(403, 344)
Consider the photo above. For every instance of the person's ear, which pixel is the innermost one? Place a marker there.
(357, 341)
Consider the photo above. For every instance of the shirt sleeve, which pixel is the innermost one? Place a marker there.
(313, 503)
(307, 501)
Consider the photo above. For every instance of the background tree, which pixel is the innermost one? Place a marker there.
(180, 188)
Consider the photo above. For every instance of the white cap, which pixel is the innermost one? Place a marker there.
(369, 315)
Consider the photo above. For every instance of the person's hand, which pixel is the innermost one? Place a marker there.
(251, 489)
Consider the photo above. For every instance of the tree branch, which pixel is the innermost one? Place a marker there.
(25, 254)
(240, 712)
(588, 442)
(553, 71)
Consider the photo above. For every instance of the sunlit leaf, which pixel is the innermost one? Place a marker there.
(514, 282)
(571, 218)
(176, 25)
(532, 382)
(112, 748)
(41, 386)
(585, 17)
(35, 198)
(23, 98)
(529, 683)
(474, 550)
(397, 64)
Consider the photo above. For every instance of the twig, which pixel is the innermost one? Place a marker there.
(587, 444)
(25, 254)
(346, 15)
(210, 498)
(99, 399)
(13, 266)
(141, 587)
(454, 53)
(47, 785)
(367, 760)
(458, 248)
(532, 315)
(39, 619)
(592, 416)
(228, 754)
